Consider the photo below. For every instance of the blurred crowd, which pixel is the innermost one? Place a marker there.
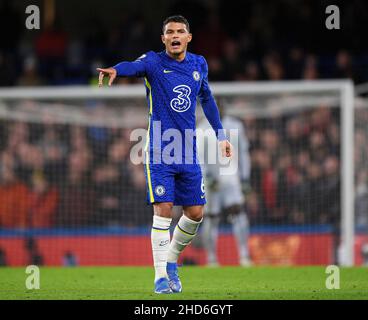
(73, 176)
(266, 42)
(361, 168)
(295, 173)
(53, 175)
(296, 168)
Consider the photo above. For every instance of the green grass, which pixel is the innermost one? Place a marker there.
(198, 283)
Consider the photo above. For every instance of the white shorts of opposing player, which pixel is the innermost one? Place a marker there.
(229, 193)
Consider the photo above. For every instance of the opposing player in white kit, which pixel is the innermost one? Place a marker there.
(225, 190)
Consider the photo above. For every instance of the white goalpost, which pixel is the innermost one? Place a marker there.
(108, 115)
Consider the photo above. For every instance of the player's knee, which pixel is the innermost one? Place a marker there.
(195, 214)
(163, 209)
(195, 217)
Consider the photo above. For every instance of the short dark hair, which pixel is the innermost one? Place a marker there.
(176, 18)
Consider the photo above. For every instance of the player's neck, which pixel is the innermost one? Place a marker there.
(179, 57)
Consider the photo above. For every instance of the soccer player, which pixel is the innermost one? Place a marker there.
(226, 192)
(173, 79)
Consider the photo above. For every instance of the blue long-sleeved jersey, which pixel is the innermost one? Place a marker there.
(172, 89)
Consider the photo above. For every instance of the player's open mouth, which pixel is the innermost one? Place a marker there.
(175, 44)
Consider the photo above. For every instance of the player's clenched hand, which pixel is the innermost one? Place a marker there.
(110, 72)
(226, 148)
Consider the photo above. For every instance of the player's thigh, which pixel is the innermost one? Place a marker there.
(160, 180)
(189, 186)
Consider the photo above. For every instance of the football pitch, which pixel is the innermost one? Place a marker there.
(202, 283)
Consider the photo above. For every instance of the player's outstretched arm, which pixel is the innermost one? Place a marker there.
(110, 72)
(137, 68)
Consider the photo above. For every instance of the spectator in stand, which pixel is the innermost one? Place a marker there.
(233, 65)
(30, 162)
(30, 76)
(77, 197)
(303, 162)
(131, 212)
(106, 181)
(331, 189)
(42, 202)
(18, 134)
(136, 39)
(251, 72)
(344, 67)
(216, 67)
(50, 46)
(320, 119)
(253, 208)
(76, 63)
(315, 193)
(267, 180)
(270, 142)
(285, 178)
(272, 66)
(361, 159)
(78, 141)
(211, 38)
(297, 193)
(318, 146)
(310, 71)
(54, 152)
(295, 63)
(13, 195)
(295, 137)
(334, 138)
(361, 201)
(99, 137)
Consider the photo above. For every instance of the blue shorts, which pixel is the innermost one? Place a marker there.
(181, 184)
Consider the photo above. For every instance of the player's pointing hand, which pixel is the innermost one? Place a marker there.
(111, 72)
(226, 148)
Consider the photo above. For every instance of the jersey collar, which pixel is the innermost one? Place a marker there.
(167, 57)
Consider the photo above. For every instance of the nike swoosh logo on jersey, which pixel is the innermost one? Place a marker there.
(202, 196)
(168, 71)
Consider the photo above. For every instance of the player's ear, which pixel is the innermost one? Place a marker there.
(189, 37)
(163, 39)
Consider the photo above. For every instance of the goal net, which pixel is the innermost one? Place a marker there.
(73, 190)
(361, 176)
